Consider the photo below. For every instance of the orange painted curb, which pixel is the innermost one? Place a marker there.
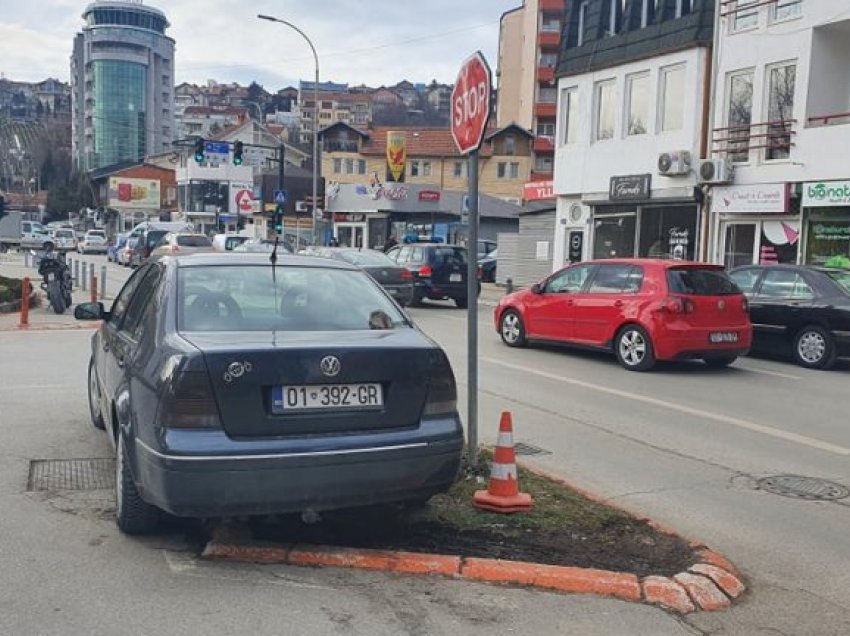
(384, 560)
(252, 553)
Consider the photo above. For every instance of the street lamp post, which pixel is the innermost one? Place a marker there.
(315, 116)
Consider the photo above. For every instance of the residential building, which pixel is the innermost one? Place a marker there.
(349, 108)
(134, 192)
(529, 39)
(781, 119)
(122, 83)
(208, 121)
(27, 101)
(633, 91)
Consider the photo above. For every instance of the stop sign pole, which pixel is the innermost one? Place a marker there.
(470, 104)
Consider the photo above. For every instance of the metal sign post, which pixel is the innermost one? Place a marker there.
(472, 310)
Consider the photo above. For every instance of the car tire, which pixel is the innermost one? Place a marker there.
(512, 329)
(415, 300)
(814, 348)
(94, 408)
(461, 303)
(132, 514)
(719, 363)
(634, 349)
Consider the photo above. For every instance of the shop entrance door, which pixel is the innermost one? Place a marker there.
(351, 234)
(739, 246)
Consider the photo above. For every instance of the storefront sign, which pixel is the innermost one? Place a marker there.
(383, 197)
(342, 217)
(429, 195)
(576, 246)
(630, 187)
(823, 194)
(537, 190)
(396, 156)
(678, 240)
(762, 198)
(242, 199)
(126, 193)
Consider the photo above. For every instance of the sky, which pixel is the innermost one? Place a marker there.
(374, 42)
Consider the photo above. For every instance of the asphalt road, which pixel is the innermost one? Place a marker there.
(686, 445)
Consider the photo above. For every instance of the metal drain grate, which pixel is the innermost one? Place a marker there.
(807, 488)
(521, 448)
(71, 474)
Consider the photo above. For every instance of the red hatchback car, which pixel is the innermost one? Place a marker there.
(643, 309)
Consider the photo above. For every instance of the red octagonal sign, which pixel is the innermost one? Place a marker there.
(471, 103)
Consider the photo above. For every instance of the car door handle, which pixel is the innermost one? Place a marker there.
(618, 303)
(105, 346)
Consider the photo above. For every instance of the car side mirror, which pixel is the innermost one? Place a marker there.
(537, 288)
(90, 311)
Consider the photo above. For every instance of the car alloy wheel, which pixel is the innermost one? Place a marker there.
(814, 348)
(512, 330)
(94, 399)
(634, 349)
(132, 514)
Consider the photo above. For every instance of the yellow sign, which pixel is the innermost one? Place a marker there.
(134, 193)
(396, 156)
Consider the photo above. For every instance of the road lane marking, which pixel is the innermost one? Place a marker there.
(681, 408)
(775, 374)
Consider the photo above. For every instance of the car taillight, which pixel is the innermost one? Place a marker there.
(406, 274)
(677, 305)
(480, 272)
(442, 391)
(424, 271)
(745, 305)
(189, 402)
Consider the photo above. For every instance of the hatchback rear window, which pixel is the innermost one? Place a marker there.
(193, 240)
(700, 282)
(449, 255)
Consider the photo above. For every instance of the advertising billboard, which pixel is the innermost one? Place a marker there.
(134, 194)
(396, 156)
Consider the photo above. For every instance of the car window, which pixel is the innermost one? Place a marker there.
(746, 279)
(194, 240)
(568, 281)
(229, 243)
(155, 238)
(697, 281)
(785, 284)
(842, 278)
(449, 255)
(291, 299)
(366, 258)
(610, 279)
(119, 306)
(417, 255)
(133, 323)
(404, 255)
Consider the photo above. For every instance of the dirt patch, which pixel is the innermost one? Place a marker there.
(564, 528)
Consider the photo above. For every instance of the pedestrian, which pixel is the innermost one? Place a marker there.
(391, 243)
(334, 241)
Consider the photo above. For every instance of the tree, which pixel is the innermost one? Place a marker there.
(256, 93)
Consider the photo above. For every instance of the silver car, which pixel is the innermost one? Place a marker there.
(94, 242)
(175, 243)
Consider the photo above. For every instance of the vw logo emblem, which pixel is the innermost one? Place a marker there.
(237, 370)
(721, 305)
(330, 366)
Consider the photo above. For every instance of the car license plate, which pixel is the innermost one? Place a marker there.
(393, 291)
(455, 278)
(286, 399)
(719, 337)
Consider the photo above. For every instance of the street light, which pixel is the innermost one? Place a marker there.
(315, 116)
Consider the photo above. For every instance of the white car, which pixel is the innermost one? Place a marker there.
(94, 241)
(64, 239)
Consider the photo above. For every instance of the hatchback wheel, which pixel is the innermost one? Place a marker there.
(461, 303)
(634, 349)
(814, 348)
(94, 399)
(132, 514)
(512, 330)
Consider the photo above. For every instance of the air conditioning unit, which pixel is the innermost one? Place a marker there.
(302, 206)
(674, 163)
(715, 171)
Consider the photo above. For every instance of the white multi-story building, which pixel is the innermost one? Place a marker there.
(781, 118)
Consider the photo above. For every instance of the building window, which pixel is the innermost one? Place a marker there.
(337, 166)
(605, 111)
(361, 166)
(349, 166)
(547, 95)
(545, 129)
(648, 10)
(582, 21)
(615, 16)
(505, 170)
(569, 115)
(746, 15)
(683, 7)
(550, 25)
(426, 168)
(739, 115)
(548, 60)
(501, 170)
(780, 110)
(459, 170)
(513, 170)
(786, 9)
(543, 163)
(672, 98)
(637, 111)
(420, 168)
(510, 145)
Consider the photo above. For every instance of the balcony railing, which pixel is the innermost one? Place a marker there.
(775, 137)
(549, 39)
(544, 143)
(833, 119)
(545, 109)
(733, 7)
(340, 146)
(545, 73)
(552, 5)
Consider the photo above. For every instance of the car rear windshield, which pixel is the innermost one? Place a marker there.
(367, 258)
(700, 282)
(193, 240)
(842, 278)
(64, 234)
(449, 255)
(255, 298)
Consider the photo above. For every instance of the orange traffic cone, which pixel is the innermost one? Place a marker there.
(502, 494)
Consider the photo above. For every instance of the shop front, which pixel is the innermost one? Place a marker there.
(827, 229)
(634, 223)
(758, 223)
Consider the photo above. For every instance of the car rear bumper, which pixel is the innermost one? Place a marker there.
(695, 343)
(292, 478)
(401, 293)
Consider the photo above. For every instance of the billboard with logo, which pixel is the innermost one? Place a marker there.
(136, 194)
(396, 156)
(823, 194)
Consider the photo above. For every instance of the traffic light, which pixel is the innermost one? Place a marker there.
(200, 150)
(278, 219)
(237, 153)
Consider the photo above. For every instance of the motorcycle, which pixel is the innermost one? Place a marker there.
(57, 280)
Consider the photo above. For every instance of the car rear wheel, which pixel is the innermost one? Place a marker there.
(512, 330)
(814, 348)
(132, 514)
(94, 399)
(461, 303)
(634, 349)
(719, 363)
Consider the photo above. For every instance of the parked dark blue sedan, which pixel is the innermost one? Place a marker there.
(234, 387)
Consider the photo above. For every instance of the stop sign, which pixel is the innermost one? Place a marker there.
(471, 103)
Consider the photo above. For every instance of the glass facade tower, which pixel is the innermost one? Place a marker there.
(119, 112)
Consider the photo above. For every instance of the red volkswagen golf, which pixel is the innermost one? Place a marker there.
(644, 310)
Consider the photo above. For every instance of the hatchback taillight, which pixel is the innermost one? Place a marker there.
(189, 402)
(424, 271)
(745, 304)
(677, 305)
(406, 274)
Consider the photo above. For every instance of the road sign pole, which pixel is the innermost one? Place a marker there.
(472, 311)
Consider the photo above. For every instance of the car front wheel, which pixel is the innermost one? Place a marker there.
(132, 514)
(512, 330)
(94, 399)
(814, 348)
(634, 349)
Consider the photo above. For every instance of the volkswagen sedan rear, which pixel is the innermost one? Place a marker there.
(235, 387)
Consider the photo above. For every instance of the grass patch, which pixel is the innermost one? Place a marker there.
(10, 289)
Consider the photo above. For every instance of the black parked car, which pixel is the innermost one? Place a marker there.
(439, 271)
(231, 388)
(394, 278)
(487, 266)
(797, 310)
